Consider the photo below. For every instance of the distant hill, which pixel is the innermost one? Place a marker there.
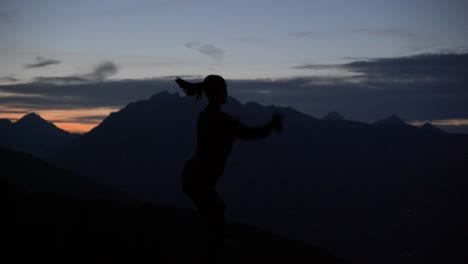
(27, 173)
(393, 120)
(432, 129)
(5, 124)
(34, 135)
(334, 116)
(364, 190)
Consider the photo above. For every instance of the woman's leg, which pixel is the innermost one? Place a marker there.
(211, 208)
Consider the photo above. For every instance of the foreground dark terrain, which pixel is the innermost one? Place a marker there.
(64, 228)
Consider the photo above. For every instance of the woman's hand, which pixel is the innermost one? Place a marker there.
(182, 83)
(277, 121)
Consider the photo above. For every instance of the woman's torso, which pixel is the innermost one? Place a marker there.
(215, 136)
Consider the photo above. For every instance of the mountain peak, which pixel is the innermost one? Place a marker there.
(31, 118)
(5, 122)
(35, 135)
(32, 115)
(164, 96)
(162, 93)
(33, 121)
(431, 128)
(334, 116)
(391, 120)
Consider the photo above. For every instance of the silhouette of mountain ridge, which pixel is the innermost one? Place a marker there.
(5, 126)
(391, 120)
(5, 123)
(34, 135)
(301, 183)
(31, 118)
(431, 128)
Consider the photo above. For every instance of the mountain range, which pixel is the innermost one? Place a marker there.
(366, 190)
(384, 192)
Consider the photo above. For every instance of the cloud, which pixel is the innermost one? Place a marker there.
(307, 34)
(206, 49)
(8, 79)
(192, 45)
(426, 67)
(41, 62)
(317, 66)
(183, 76)
(62, 79)
(447, 67)
(457, 49)
(212, 51)
(353, 58)
(88, 119)
(100, 73)
(387, 32)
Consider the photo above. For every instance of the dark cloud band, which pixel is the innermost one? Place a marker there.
(41, 62)
(449, 67)
(429, 87)
(206, 49)
(99, 74)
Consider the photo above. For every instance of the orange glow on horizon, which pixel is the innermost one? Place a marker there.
(442, 122)
(79, 128)
(72, 120)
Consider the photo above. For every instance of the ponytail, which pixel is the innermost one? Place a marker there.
(191, 89)
(212, 85)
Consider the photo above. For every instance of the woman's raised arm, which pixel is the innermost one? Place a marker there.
(252, 133)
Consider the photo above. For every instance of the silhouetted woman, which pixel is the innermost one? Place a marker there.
(216, 133)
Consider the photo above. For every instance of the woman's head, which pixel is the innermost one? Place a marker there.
(214, 87)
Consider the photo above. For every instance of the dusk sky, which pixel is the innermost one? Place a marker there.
(67, 43)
